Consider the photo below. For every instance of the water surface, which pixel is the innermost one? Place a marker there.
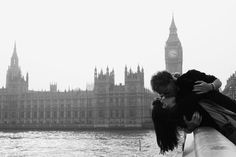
(78, 144)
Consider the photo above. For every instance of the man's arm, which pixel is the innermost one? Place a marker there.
(204, 87)
(217, 84)
(200, 82)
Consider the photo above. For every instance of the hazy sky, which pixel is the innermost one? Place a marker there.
(62, 41)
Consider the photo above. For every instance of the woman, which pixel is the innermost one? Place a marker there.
(193, 95)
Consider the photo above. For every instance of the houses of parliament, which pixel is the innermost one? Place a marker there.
(106, 106)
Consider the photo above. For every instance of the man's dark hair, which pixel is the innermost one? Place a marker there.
(160, 79)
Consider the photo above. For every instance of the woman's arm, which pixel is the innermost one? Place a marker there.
(192, 124)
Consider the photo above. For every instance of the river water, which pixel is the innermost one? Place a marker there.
(79, 144)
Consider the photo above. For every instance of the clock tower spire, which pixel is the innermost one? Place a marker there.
(173, 50)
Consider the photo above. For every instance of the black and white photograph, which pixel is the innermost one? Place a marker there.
(117, 78)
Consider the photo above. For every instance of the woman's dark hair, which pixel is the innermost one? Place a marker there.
(165, 125)
(160, 79)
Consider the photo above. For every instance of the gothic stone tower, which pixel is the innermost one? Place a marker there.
(134, 81)
(15, 82)
(173, 51)
(104, 83)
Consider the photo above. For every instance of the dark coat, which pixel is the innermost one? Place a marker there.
(189, 102)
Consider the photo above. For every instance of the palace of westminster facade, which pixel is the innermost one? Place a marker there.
(106, 106)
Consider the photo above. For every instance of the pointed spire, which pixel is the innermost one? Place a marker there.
(107, 71)
(95, 72)
(14, 58)
(14, 51)
(138, 69)
(173, 28)
(173, 36)
(173, 21)
(126, 71)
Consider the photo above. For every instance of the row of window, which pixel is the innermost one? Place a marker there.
(99, 101)
(65, 114)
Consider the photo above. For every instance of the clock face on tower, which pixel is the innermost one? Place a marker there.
(172, 53)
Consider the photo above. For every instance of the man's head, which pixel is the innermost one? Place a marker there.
(163, 83)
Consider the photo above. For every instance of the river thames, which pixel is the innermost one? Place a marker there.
(79, 144)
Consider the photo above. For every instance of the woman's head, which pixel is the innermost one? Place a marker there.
(168, 102)
(166, 126)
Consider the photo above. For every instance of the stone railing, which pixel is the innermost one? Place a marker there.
(208, 142)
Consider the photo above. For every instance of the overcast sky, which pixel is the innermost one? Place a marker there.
(62, 41)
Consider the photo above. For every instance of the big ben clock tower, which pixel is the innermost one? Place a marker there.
(173, 51)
